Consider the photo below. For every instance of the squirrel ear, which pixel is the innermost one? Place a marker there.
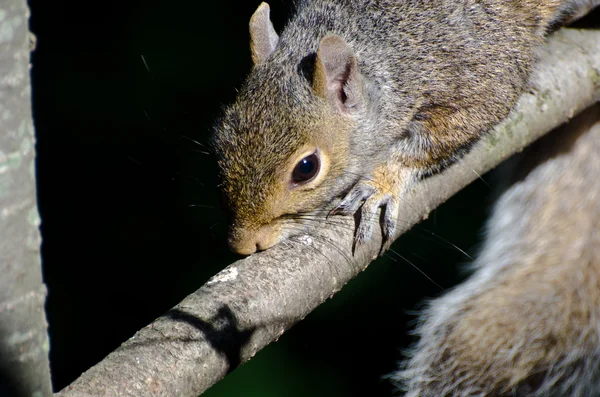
(263, 38)
(336, 76)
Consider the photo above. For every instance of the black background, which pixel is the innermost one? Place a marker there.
(124, 95)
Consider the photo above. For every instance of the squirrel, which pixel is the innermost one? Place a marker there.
(527, 321)
(348, 108)
(359, 99)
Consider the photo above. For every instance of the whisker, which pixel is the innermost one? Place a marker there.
(146, 64)
(335, 247)
(313, 218)
(193, 140)
(200, 151)
(148, 116)
(418, 256)
(330, 242)
(305, 246)
(180, 135)
(480, 177)
(328, 221)
(446, 241)
(419, 270)
(202, 206)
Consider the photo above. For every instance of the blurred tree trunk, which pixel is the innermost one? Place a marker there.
(24, 346)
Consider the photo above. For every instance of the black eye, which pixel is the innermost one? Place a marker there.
(306, 169)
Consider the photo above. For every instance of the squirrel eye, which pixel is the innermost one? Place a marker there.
(306, 169)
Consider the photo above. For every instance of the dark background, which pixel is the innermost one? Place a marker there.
(124, 96)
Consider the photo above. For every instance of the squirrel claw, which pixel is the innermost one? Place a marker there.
(353, 200)
(368, 218)
(388, 224)
(369, 195)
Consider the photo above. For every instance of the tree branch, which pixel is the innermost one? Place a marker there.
(24, 366)
(254, 301)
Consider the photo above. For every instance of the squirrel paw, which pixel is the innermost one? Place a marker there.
(383, 191)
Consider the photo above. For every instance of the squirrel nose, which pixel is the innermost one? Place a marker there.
(247, 241)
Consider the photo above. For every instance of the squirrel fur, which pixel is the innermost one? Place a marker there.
(382, 92)
(527, 322)
(358, 99)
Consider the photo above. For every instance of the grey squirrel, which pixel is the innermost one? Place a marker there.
(353, 103)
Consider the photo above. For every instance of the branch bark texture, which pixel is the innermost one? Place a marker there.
(24, 366)
(253, 301)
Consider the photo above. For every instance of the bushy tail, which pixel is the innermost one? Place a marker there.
(527, 322)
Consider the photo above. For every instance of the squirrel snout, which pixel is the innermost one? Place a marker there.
(246, 241)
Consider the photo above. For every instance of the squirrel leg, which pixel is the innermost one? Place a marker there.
(382, 190)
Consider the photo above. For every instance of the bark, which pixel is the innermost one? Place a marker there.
(254, 301)
(24, 365)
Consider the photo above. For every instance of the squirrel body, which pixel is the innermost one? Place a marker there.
(380, 92)
(354, 102)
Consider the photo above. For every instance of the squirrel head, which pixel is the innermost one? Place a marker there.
(283, 146)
